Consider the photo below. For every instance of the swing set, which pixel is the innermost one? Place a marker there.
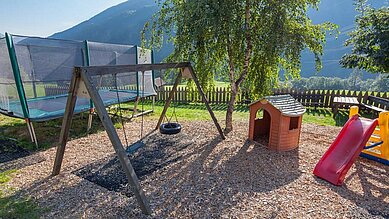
(83, 85)
(167, 128)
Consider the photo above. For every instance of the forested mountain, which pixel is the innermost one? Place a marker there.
(122, 24)
(119, 24)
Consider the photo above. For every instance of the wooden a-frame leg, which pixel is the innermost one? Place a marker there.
(66, 122)
(205, 100)
(117, 144)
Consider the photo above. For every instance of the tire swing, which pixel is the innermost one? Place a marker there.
(169, 127)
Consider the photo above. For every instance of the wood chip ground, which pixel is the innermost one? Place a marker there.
(196, 175)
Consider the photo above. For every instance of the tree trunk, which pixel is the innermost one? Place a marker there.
(230, 109)
(236, 84)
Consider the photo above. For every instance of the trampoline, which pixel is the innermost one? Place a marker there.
(35, 75)
(52, 107)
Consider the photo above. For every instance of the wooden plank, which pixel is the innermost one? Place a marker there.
(332, 99)
(224, 95)
(115, 69)
(116, 143)
(178, 96)
(192, 95)
(359, 97)
(327, 99)
(196, 80)
(216, 95)
(208, 95)
(186, 95)
(303, 98)
(364, 98)
(67, 121)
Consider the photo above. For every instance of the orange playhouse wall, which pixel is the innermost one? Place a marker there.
(288, 139)
(280, 137)
(255, 124)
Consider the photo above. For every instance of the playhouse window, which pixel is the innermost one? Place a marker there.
(294, 123)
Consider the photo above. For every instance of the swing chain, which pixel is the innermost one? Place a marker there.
(143, 94)
(120, 108)
(174, 114)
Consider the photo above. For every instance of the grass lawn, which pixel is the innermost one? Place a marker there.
(48, 132)
(13, 206)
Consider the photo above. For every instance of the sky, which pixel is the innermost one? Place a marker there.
(46, 17)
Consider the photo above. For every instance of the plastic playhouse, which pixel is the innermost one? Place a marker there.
(280, 123)
(359, 136)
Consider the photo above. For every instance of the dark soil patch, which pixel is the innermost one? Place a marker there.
(9, 150)
(157, 154)
(13, 156)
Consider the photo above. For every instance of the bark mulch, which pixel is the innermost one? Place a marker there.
(197, 175)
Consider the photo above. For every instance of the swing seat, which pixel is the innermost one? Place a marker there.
(135, 146)
(170, 128)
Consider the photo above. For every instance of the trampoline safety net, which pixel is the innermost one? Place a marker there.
(45, 67)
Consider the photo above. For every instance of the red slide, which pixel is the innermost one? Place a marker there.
(343, 152)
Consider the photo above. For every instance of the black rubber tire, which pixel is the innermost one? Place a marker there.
(170, 128)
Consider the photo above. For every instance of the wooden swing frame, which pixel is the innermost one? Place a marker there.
(82, 85)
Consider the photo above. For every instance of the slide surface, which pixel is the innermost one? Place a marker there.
(343, 152)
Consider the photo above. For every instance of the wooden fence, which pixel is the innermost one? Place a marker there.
(327, 96)
(221, 95)
(218, 95)
(53, 90)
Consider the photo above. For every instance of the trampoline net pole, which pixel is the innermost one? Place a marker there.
(17, 77)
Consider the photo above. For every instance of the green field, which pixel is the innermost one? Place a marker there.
(48, 132)
(12, 205)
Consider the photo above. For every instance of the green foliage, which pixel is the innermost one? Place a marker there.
(370, 40)
(379, 84)
(218, 35)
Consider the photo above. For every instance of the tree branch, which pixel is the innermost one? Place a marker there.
(231, 65)
(248, 45)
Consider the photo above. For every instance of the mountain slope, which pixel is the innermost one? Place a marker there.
(342, 13)
(119, 24)
(122, 24)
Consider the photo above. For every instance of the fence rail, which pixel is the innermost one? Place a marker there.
(221, 95)
(327, 96)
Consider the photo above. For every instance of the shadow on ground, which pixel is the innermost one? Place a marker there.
(209, 181)
(366, 172)
(158, 153)
(12, 156)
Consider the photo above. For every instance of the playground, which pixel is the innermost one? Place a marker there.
(168, 165)
(196, 174)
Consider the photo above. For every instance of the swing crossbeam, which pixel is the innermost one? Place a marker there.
(83, 76)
